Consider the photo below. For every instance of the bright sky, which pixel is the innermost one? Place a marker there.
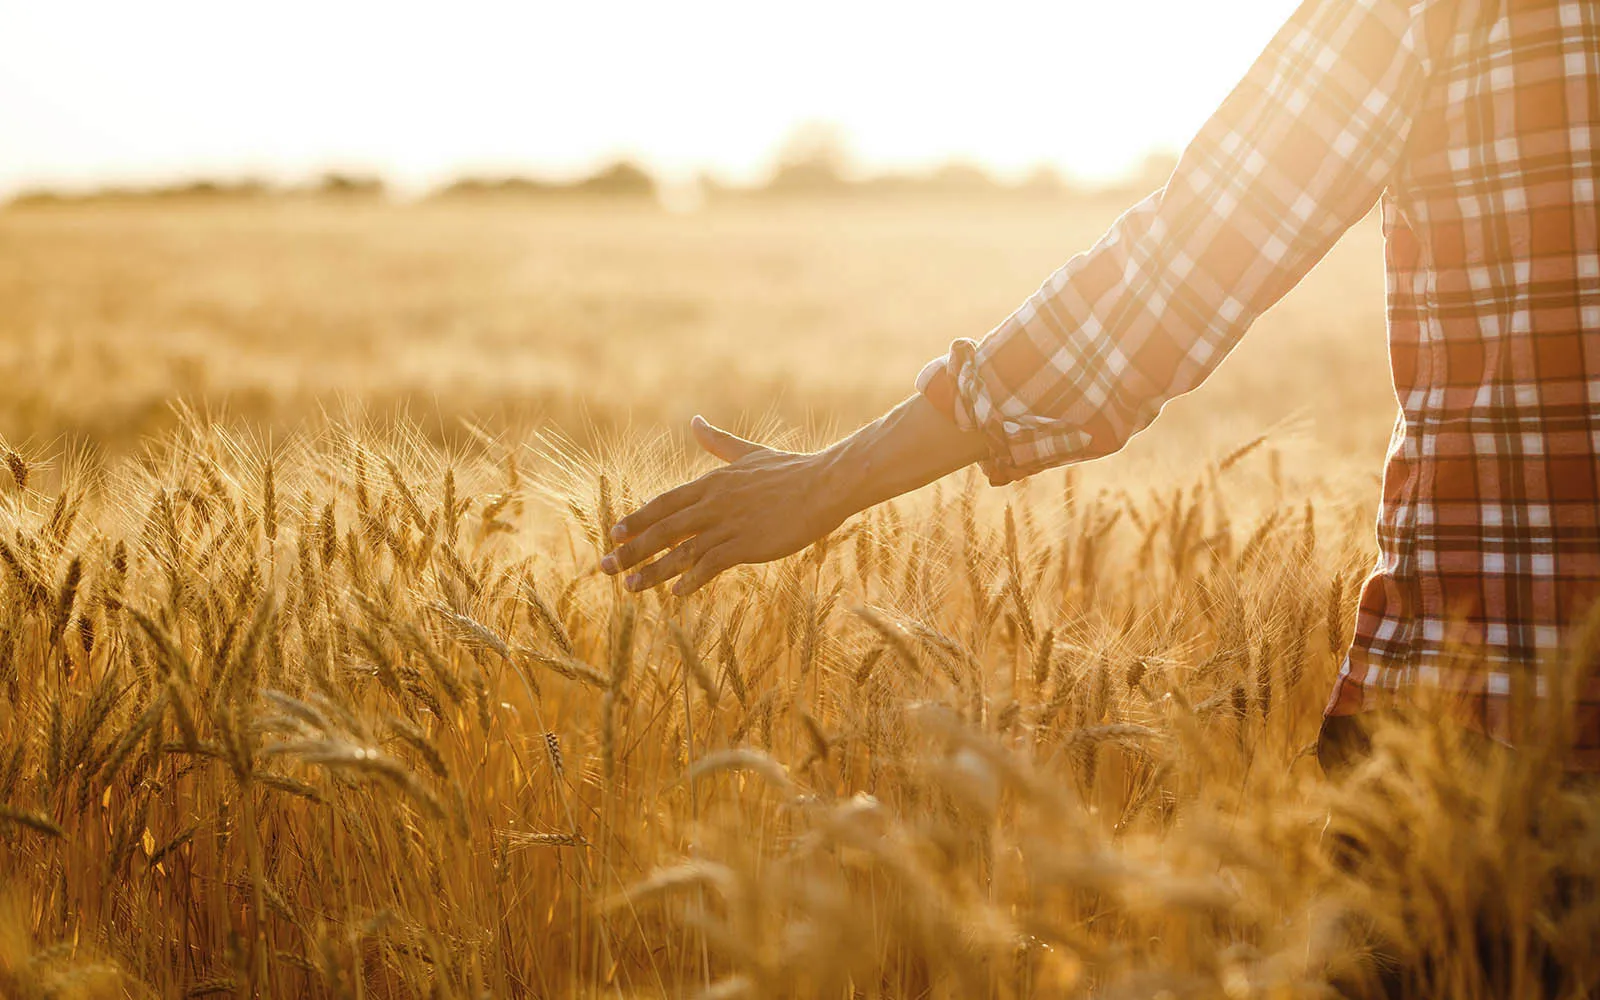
(95, 91)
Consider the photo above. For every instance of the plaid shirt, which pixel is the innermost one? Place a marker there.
(1476, 123)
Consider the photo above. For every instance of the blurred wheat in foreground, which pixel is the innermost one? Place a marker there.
(349, 716)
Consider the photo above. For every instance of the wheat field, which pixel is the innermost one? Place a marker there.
(310, 685)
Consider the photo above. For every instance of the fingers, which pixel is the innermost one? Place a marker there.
(665, 532)
(661, 507)
(668, 566)
(726, 446)
(714, 561)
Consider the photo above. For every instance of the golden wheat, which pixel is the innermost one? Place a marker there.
(346, 710)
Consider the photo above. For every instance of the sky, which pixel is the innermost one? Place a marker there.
(107, 91)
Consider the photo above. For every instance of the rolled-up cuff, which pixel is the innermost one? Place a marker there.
(1021, 443)
(940, 382)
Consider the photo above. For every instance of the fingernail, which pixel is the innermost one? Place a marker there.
(608, 564)
(635, 581)
(618, 533)
(677, 589)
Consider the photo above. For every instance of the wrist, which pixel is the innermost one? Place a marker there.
(842, 481)
(908, 447)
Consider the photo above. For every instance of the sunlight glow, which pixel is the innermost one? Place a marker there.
(93, 91)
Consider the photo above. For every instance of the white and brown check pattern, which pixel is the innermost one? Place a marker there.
(1476, 123)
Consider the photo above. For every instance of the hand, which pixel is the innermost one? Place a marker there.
(763, 505)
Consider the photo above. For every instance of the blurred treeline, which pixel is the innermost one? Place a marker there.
(815, 161)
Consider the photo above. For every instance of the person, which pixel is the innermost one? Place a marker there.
(1475, 125)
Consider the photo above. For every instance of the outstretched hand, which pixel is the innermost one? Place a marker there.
(766, 504)
(763, 505)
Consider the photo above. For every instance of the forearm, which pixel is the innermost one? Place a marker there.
(767, 504)
(909, 447)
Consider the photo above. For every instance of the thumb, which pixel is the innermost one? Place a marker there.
(728, 447)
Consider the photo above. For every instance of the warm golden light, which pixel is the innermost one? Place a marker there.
(743, 500)
(97, 92)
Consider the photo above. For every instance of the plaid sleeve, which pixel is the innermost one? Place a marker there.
(1297, 153)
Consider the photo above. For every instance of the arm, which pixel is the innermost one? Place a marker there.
(1297, 153)
(766, 504)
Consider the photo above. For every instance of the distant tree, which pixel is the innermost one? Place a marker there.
(202, 188)
(38, 198)
(814, 158)
(621, 179)
(336, 184)
(472, 187)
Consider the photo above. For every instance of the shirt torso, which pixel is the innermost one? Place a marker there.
(1489, 530)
